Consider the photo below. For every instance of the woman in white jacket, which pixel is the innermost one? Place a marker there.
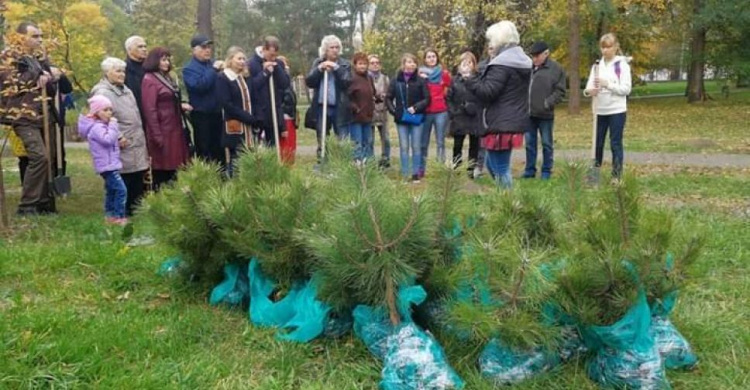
(609, 83)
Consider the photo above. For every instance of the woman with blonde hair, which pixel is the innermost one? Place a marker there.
(233, 93)
(463, 110)
(407, 99)
(609, 85)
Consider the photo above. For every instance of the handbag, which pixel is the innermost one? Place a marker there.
(311, 118)
(234, 127)
(407, 117)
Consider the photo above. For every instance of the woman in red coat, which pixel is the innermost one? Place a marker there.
(162, 111)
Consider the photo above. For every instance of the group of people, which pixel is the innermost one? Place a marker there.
(498, 104)
(139, 127)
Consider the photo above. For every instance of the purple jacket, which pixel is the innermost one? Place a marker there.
(103, 145)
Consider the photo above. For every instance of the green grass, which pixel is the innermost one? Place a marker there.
(81, 310)
(713, 87)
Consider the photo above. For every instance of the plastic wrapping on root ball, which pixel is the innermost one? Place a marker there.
(338, 324)
(572, 344)
(627, 357)
(170, 267)
(300, 314)
(234, 290)
(672, 346)
(373, 326)
(414, 360)
(263, 310)
(505, 366)
(310, 316)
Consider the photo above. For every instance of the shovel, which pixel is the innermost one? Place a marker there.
(60, 184)
(275, 118)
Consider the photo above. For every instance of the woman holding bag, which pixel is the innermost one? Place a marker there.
(233, 94)
(407, 99)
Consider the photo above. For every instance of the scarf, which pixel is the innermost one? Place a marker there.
(434, 74)
(246, 104)
(374, 75)
(167, 81)
(408, 76)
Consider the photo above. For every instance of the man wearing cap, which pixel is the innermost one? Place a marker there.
(547, 89)
(200, 75)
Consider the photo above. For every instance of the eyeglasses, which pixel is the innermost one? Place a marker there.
(374, 62)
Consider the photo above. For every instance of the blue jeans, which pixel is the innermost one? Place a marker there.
(616, 125)
(385, 142)
(116, 194)
(498, 162)
(361, 134)
(440, 121)
(544, 127)
(409, 137)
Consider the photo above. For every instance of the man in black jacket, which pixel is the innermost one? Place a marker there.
(137, 51)
(263, 66)
(547, 89)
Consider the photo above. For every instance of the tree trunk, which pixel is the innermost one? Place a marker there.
(696, 87)
(205, 26)
(574, 58)
(4, 213)
(477, 37)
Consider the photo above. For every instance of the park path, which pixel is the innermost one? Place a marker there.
(702, 160)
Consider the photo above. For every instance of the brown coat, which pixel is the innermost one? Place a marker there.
(21, 97)
(362, 98)
(167, 143)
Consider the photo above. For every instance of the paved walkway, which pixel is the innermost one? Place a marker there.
(713, 160)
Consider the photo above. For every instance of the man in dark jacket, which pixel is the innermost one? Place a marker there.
(137, 51)
(200, 76)
(547, 89)
(263, 66)
(339, 76)
(25, 76)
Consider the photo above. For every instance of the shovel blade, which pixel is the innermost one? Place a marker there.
(61, 184)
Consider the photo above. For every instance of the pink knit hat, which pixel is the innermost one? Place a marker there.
(98, 103)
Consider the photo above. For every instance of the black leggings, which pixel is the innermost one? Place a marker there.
(458, 145)
(134, 184)
(162, 177)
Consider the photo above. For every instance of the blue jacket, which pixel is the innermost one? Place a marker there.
(261, 94)
(200, 80)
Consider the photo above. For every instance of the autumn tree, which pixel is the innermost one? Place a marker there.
(78, 29)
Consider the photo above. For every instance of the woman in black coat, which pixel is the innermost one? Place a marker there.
(464, 109)
(407, 99)
(233, 94)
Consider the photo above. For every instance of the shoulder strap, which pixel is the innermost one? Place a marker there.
(403, 99)
(617, 70)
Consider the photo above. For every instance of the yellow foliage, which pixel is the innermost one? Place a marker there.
(74, 34)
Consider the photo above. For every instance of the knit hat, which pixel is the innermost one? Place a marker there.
(98, 103)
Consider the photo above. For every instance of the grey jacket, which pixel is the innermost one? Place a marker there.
(381, 89)
(134, 156)
(547, 89)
